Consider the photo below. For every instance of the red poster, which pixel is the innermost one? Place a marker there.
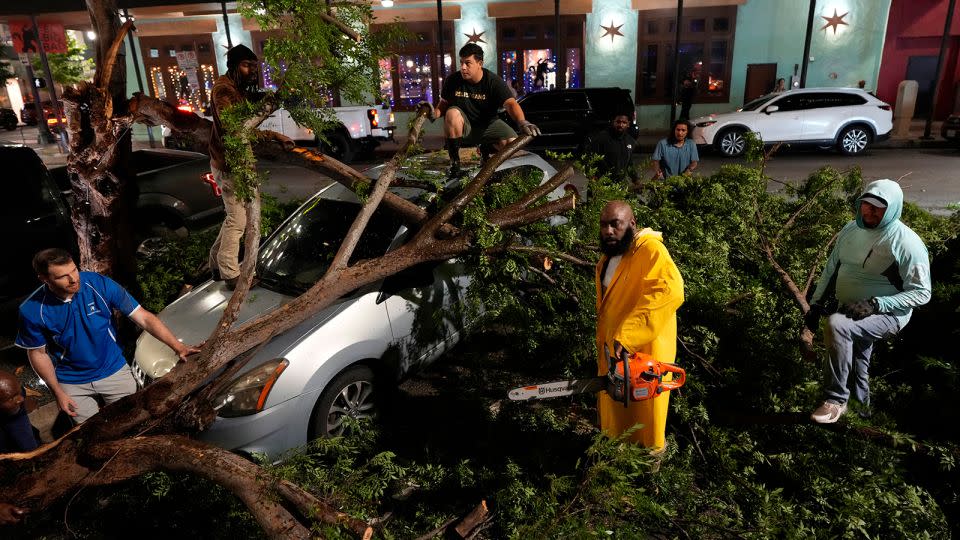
(26, 39)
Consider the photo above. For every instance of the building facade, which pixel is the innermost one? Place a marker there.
(732, 50)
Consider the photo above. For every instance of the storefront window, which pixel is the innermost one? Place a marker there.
(704, 56)
(413, 72)
(529, 56)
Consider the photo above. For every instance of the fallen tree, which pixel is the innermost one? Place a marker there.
(150, 430)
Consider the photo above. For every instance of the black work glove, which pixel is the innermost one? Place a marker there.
(860, 309)
(811, 319)
(529, 128)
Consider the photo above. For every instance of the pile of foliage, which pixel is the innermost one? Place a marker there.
(742, 458)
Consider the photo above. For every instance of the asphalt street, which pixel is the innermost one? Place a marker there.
(929, 177)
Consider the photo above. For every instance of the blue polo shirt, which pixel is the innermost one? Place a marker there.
(78, 333)
(673, 160)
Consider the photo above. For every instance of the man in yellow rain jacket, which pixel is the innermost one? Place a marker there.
(639, 289)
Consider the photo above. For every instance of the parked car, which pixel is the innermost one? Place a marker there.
(306, 381)
(29, 113)
(8, 119)
(33, 216)
(567, 117)
(950, 130)
(849, 119)
(361, 130)
(176, 195)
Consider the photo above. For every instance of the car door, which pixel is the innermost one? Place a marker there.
(780, 120)
(828, 112)
(275, 122)
(426, 310)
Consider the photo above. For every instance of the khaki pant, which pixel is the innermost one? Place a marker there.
(225, 252)
(110, 389)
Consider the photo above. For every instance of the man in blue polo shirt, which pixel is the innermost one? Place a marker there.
(66, 328)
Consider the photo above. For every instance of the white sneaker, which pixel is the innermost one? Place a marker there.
(828, 412)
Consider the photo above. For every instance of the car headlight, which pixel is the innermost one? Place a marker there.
(707, 123)
(248, 393)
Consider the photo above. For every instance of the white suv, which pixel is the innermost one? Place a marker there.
(847, 118)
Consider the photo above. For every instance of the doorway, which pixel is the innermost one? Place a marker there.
(761, 79)
(922, 69)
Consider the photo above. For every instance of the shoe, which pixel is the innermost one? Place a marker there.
(455, 171)
(828, 412)
(231, 283)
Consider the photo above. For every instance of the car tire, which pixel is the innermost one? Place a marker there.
(10, 125)
(351, 393)
(854, 140)
(149, 238)
(732, 142)
(339, 147)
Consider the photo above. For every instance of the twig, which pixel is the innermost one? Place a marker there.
(706, 363)
(816, 264)
(438, 530)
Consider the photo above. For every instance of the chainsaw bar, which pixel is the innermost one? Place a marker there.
(558, 389)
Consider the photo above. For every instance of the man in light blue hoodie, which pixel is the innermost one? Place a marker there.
(879, 271)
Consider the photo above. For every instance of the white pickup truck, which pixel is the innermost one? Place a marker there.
(362, 128)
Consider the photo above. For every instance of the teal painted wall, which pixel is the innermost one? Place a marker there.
(611, 62)
(854, 52)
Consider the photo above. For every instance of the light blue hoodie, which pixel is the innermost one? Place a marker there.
(889, 262)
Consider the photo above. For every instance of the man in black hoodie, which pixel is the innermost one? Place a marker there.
(616, 146)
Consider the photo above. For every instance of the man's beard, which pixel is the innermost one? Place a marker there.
(620, 247)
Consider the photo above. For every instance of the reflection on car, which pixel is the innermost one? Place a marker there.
(308, 381)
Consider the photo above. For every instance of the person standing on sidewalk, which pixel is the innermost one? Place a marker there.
(879, 272)
(67, 329)
(676, 154)
(687, 91)
(469, 102)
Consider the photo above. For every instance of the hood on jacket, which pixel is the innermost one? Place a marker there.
(890, 192)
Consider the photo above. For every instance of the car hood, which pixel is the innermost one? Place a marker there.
(719, 117)
(193, 317)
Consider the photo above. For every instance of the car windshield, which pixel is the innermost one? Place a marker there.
(298, 254)
(757, 103)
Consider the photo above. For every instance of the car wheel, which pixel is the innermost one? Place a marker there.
(854, 140)
(151, 238)
(338, 147)
(732, 142)
(349, 394)
(10, 125)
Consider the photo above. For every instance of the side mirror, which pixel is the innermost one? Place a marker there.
(771, 109)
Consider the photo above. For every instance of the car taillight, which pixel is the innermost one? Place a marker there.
(392, 119)
(884, 107)
(185, 108)
(212, 182)
(374, 117)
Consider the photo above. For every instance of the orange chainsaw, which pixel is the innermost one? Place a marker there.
(633, 377)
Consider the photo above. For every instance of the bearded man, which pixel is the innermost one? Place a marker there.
(639, 289)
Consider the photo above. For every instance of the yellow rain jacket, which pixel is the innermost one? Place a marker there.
(639, 310)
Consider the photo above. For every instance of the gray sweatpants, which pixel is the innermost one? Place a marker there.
(850, 344)
(110, 388)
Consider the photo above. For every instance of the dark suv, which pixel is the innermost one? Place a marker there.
(566, 117)
(8, 119)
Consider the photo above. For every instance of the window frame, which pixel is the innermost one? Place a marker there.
(664, 39)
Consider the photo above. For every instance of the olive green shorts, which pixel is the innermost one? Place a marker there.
(496, 131)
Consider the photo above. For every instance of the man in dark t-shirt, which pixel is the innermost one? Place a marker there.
(469, 102)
